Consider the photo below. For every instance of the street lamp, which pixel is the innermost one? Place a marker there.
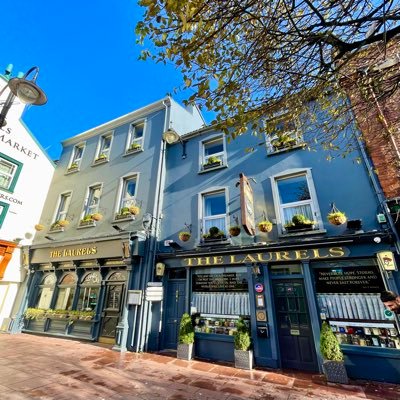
(26, 90)
(171, 137)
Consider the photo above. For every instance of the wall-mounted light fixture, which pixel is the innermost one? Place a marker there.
(28, 92)
(118, 229)
(171, 137)
(160, 268)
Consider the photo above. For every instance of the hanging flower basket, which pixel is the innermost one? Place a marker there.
(39, 227)
(265, 226)
(234, 230)
(134, 210)
(97, 217)
(184, 236)
(336, 217)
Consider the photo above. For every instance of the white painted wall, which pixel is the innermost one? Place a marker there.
(27, 200)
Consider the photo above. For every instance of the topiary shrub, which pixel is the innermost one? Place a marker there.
(242, 338)
(186, 330)
(329, 345)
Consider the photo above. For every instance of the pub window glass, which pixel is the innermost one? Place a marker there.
(89, 291)
(66, 292)
(348, 296)
(46, 290)
(287, 269)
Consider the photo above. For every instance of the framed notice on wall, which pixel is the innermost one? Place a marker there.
(360, 279)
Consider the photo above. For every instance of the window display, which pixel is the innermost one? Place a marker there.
(217, 323)
(348, 297)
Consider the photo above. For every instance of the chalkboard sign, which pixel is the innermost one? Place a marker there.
(348, 280)
(225, 282)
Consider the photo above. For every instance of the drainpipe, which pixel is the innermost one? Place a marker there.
(153, 235)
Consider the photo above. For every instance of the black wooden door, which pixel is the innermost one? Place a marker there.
(296, 343)
(174, 308)
(112, 309)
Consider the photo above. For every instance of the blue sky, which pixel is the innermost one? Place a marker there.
(88, 64)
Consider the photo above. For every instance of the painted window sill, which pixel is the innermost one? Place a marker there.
(285, 149)
(133, 151)
(205, 170)
(303, 233)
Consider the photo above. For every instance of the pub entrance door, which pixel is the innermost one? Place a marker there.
(296, 343)
(174, 306)
(112, 309)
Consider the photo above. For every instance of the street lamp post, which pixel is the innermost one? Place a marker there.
(26, 90)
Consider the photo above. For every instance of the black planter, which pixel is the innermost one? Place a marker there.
(335, 372)
(300, 228)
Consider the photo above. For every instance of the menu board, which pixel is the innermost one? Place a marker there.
(224, 282)
(348, 280)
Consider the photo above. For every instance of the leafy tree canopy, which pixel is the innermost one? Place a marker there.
(245, 59)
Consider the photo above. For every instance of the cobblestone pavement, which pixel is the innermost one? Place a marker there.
(37, 367)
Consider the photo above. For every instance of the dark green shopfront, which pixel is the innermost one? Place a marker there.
(286, 291)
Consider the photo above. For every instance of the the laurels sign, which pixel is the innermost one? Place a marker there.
(268, 256)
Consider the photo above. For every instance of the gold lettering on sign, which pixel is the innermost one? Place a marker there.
(73, 252)
(291, 255)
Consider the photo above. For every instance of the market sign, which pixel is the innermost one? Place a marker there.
(268, 256)
(365, 279)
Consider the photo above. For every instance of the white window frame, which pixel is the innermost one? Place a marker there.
(122, 185)
(132, 139)
(74, 158)
(12, 176)
(313, 201)
(294, 133)
(222, 154)
(61, 209)
(101, 149)
(91, 209)
(201, 210)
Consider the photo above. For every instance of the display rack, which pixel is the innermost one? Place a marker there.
(216, 323)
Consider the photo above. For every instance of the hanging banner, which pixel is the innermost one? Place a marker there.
(247, 206)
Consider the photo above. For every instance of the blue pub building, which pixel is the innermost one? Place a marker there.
(287, 275)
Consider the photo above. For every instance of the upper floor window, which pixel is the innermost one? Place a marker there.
(103, 152)
(284, 135)
(296, 202)
(214, 213)
(60, 219)
(136, 137)
(92, 202)
(213, 153)
(76, 157)
(9, 172)
(128, 195)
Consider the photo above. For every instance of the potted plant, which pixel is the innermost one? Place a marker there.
(283, 141)
(97, 216)
(73, 166)
(265, 226)
(184, 236)
(34, 313)
(212, 161)
(101, 157)
(124, 213)
(300, 223)
(214, 233)
(186, 338)
(62, 222)
(134, 210)
(242, 343)
(234, 230)
(134, 146)
(333, 364)
(337, 218)
(39, 227)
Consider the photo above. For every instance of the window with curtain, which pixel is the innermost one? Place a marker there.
(295, 197)
(93, 201)
(89, 292)
(104, 147)
(136, 136)
(63, 206)
(9, 172)
(128, 192)
(214, 211)
(66, 292)
(45, 292)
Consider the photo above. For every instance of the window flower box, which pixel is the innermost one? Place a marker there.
(73, 167)
(133, 148)
(100, 159)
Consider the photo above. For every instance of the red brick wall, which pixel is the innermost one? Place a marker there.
(378, 115)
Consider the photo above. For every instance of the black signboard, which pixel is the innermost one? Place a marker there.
(348, 280)
(225, 282)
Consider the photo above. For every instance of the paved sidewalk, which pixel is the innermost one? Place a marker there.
(37, 367)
